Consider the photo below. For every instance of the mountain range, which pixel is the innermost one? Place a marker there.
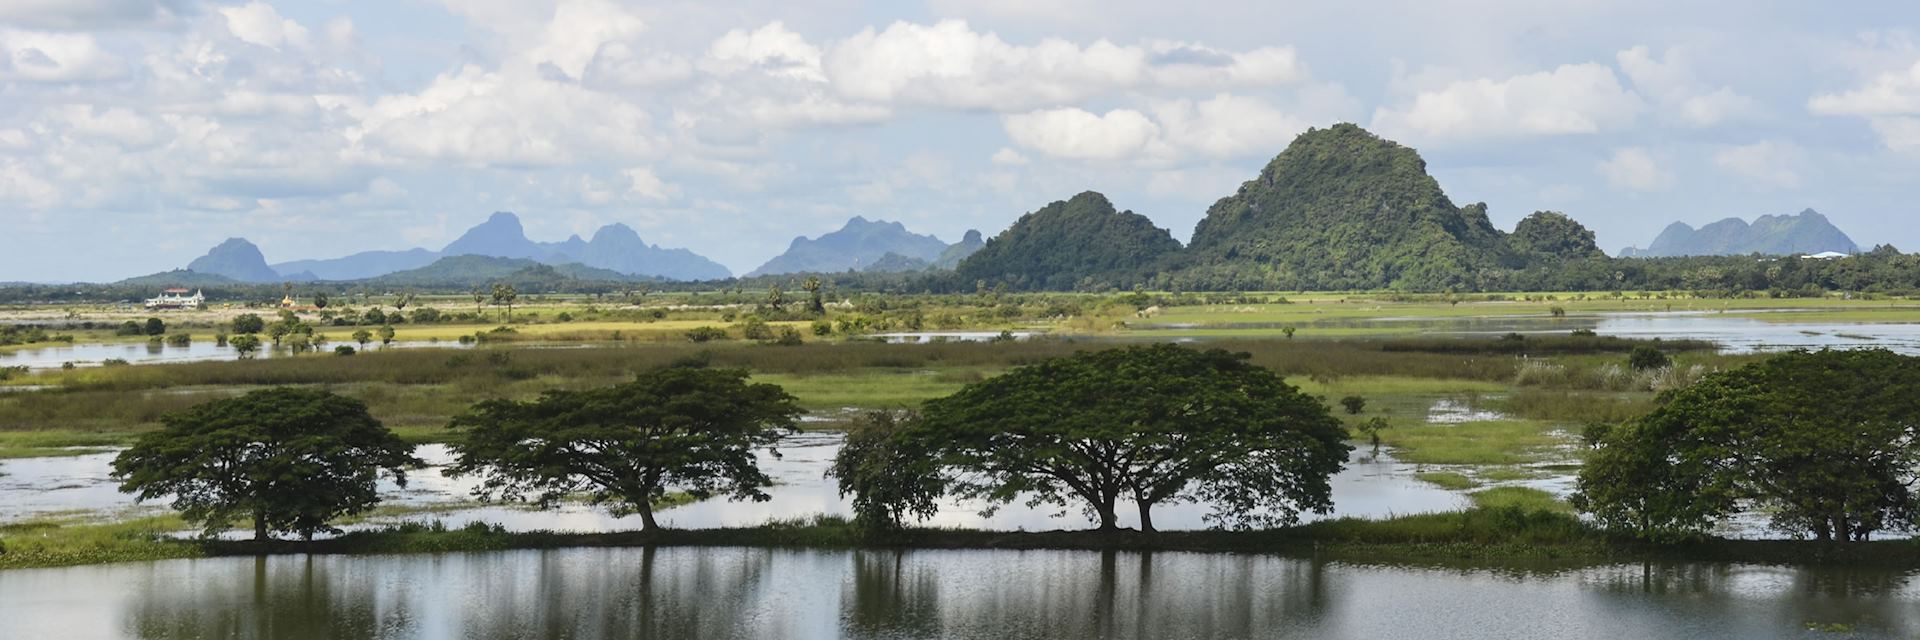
(615, 248)
(855, 246)
(1807, 233)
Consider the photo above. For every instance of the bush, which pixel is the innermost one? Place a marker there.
(789, 337)
(155, 326)
(706, 334)
(343, 350)
(179, 340)
(1644, 357)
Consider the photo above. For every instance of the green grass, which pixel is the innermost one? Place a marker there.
(1447, 480)
(1506, 474)
(60, 542)
(1524, 498)
(1499, 442)
(35, 444)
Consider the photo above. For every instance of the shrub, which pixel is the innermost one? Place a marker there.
(706, 334)
(343, 350)
(179, 340)
(1645, 357)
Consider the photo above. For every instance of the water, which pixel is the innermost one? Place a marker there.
(931, 337)
(1370, 487)
(1736, 333)
(89, 355)
(698, 593)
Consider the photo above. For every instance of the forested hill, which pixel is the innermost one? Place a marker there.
(1077, 244)
(1341, 208)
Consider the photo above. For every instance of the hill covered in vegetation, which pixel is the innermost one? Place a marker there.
(1076, 244)
(1807, 232)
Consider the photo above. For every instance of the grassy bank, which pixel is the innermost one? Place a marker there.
(1486, 536)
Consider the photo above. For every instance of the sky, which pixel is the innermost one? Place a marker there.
(136, 134)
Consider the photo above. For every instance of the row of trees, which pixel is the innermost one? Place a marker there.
(1152, 425)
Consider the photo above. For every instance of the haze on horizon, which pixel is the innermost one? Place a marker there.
(135, 134)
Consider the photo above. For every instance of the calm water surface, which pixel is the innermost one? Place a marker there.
(696, 593)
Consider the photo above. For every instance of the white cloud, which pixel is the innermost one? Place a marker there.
(642, 182)
(949, 64)
(1633, 168)
(82, 14)
(1671, 84)
(1081, 135)
(772, 49)
(1227, 126)
(1890, 102)
(1771, 163)
(258, 23)
(1572, 99)
(1009, 157)
(489, 118)
(577, 32)
(55, 57)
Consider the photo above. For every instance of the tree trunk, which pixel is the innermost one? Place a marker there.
(1146, 515)
(646, 516)
(1105, 510)
(259, 524)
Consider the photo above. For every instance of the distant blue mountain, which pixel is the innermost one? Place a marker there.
(1808, 233)
(615, 247)
(859, 243)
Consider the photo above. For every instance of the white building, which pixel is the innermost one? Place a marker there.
(177, 298)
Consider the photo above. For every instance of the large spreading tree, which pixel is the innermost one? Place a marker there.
(1149, 424)
(691, 430)
(1824, 441)
(291, 459)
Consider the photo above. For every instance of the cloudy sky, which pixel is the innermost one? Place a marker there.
(135, 134)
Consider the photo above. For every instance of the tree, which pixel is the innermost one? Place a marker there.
(1154, 424)
(155, 326)
(374, 316)
(1824, 441)
(292, 459)
(693, 430)
(504, 294)
(278, 331)
(248, 323)
(888, 478)
(815, 305)
(245, 344)
(320, 300)
(776, 297)
(386, 334)
(1354, 405)
(400, 302)
(1644, 357)
(479, 298)
(363, 337)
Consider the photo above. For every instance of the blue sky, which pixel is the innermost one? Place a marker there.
(135, 134)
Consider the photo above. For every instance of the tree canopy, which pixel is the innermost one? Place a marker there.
(1824, 441)
(1152, 424)
(692, 430)
(292, 459)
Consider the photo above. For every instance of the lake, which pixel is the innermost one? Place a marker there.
(92, 354)
(697, 593)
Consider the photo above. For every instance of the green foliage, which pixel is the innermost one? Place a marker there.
(889, 479)
(154, 327)
(1078, 244)
(1824, 441)
(1647, 357)
(1552, 236)
(1155, 424)
(248, 323)
(245, 344)
(693, 430)
(706, 334)
(363, 337)
(1341, 209)
(291, 459)
(1354, 405)
(344, 350)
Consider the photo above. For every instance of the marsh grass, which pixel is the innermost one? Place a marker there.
(1496, 442)
(1447, 480)
(1523, 498)
(60, 542)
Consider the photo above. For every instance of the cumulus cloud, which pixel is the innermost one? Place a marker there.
(1227, 126)
(55, 57)
(259, 23)
(1890, 102)
(1633, 168)
(1009, 157)
(771, 49)
(949, 64)
(1770, 163)
(85, 14)
(1081, 135)
(1670, 83)
(1571, 99)
(642, 182)
(493, 118)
